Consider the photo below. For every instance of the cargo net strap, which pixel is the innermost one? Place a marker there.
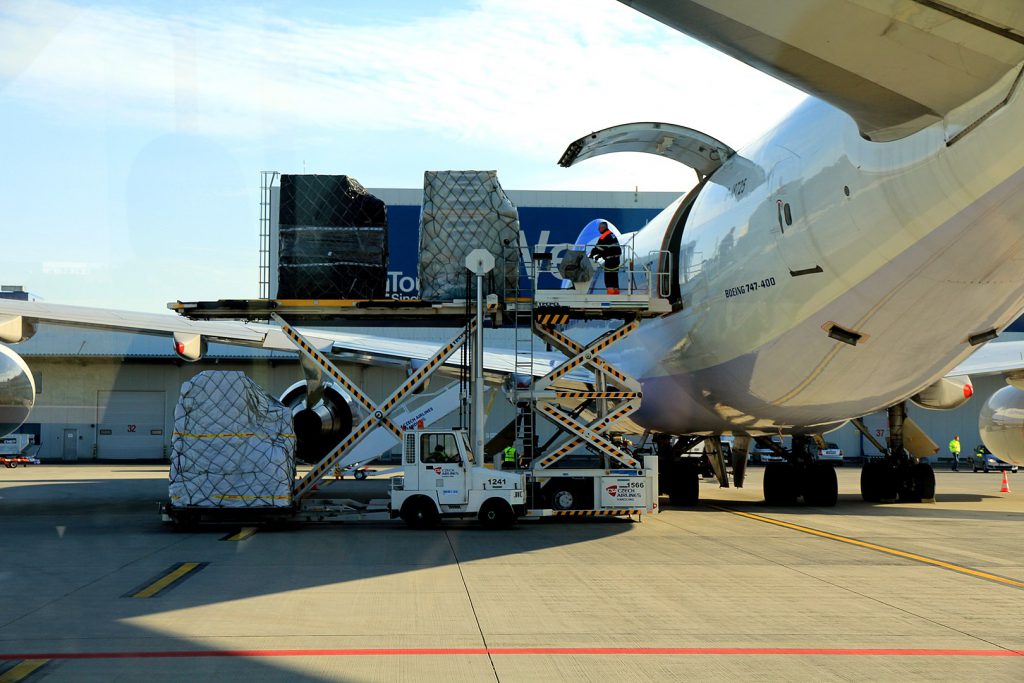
(232, 446)
(333, 239)
(463, 211)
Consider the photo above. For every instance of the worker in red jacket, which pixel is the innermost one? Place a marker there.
(608, 248)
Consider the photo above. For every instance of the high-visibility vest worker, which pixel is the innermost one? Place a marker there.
(508, 458)
(954, 447)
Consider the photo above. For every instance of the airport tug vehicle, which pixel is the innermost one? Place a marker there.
(582, 471)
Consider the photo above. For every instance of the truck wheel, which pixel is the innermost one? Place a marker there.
(187, 522)
(419, 513)
(360, 474)
(563, 498)
(496, 513)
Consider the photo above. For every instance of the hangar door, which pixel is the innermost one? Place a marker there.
(130, 425)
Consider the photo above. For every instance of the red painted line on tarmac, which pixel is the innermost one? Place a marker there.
(406, 652)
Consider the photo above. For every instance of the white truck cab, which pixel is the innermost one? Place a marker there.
(441, 479)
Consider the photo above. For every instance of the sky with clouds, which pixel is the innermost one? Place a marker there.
(133, 133)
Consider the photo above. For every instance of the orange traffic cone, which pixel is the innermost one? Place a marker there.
(1006, 484)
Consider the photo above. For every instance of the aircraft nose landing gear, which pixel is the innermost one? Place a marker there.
(898, 476)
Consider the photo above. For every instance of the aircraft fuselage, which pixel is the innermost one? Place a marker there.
(908, 248)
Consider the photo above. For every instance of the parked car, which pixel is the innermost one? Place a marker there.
(983, 460)
(764, 455)
(830, 453)
(12, 461)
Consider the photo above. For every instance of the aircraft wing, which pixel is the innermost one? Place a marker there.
(895, 66)
(18, 317)
(994, 358)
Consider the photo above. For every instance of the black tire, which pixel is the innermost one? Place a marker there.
(869, 483)
(878, 483)
(821, 486)
(780, 485)
(496, 513)
(360, 474)
(419, 513)
(924, 481)
(563, 497)
(186, 521)
(684, 487)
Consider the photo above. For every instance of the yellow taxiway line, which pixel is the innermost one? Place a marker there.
(879, 548)
(21, 670)
(244, 533)
(167, 579)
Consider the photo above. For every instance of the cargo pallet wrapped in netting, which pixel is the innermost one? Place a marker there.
(463, 211)
(333, 239)
(233, 445)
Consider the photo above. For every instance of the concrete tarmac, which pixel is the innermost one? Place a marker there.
(94, 587)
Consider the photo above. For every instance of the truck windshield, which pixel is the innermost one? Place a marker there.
(438, 448)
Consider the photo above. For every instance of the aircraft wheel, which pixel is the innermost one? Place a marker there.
(870, 487)
(821, 487)
(780, 485)
(879, 483)
(419, 513)
(496, 513)
(920, 485)
(360, 474)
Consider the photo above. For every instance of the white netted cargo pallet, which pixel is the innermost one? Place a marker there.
(233, 445)
(463, 211)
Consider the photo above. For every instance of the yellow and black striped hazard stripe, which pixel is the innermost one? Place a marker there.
(561, 452)
(582, 431)
(572, 348)
(598, 394)
(615, 415)
(561, 340)
(610, 370)
(553, 318)
(306, 483)
(420, 375)
(590, 352)
(597, 427)
(596, 513)
(324, 364)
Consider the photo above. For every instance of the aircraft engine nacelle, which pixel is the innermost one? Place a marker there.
(189, 347)
(320, 427)
(946, 394)
(14, 329)
(17, 391)
(1001, 424)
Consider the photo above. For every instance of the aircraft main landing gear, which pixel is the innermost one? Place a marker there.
(679, 475)
(800, 476)
(897, 476)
